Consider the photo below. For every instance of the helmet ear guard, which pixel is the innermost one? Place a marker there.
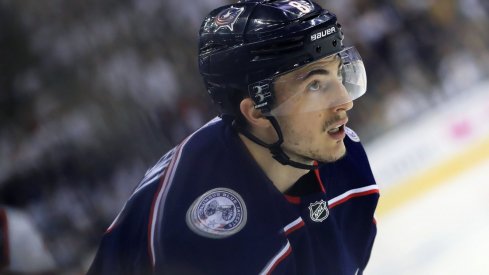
(262, 94)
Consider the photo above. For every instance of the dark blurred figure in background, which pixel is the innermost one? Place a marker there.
(91, 92)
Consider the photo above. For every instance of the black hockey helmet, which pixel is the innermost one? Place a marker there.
(248, 43)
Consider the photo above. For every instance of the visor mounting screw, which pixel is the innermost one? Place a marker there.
(318, 49)
(335, 43)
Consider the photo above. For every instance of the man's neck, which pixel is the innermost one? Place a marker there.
(282, 176)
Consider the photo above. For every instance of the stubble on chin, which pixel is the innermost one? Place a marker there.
(325, 157)
(333, 156)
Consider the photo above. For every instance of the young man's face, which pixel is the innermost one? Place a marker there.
(312, 111)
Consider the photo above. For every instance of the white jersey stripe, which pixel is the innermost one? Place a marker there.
(157, 168)
(149, 181)
(165, 187)
(284, 250)
(139, 188)
(292, 224)
(158, 199)
(352, 192)
(276, 259)
(124, 206)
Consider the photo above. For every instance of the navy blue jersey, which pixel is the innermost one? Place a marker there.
(208, 208)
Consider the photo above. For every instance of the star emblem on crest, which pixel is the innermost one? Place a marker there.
(227, 18)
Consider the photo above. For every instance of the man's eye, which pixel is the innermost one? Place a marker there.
(314, 86)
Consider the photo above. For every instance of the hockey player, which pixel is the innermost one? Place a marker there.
(277, 184)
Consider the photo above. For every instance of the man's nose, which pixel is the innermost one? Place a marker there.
(344, 107)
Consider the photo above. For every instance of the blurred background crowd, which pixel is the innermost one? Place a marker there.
(92, 93)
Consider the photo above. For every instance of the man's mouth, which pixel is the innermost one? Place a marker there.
(337, 131)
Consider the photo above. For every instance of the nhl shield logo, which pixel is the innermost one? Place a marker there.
(319, 211)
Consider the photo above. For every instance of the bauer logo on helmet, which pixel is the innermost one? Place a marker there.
(323, 33)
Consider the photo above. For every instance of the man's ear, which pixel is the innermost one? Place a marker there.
(254, 117)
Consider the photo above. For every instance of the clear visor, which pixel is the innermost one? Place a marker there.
(326, 83)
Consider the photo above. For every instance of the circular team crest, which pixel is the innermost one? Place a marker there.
(352, 135)
(319, 211)
(218, 213)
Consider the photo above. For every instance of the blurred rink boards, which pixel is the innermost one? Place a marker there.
(433, 215)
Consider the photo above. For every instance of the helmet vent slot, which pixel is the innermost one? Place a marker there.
(278, 48)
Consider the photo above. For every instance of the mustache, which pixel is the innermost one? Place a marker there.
(332, 121)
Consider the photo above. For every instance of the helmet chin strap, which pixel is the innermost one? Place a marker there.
(275, 148)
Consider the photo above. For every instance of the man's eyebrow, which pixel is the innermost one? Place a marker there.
(319, 71)
(315, 72)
